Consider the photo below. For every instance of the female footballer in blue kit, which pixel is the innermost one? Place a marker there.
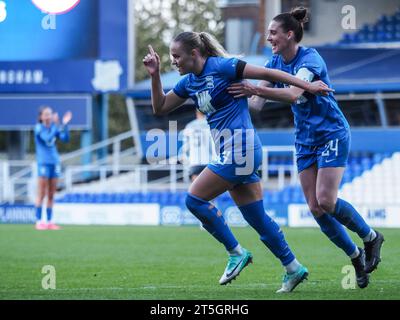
(208, 73)
(47, 131)
(322, 140)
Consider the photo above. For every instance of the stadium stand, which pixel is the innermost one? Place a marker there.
(362, 166)
(379, 186)
(367, 85)
(385, 30)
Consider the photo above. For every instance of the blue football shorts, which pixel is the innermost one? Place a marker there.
(334, 153)
(49, 171)
(239, 168)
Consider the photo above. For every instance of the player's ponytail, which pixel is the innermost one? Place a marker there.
(212, 47)
(293, 21)
(203, 41)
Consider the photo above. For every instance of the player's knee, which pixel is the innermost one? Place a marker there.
(192, 203)
(201, 209)
(315, 209)
(326, 203)
(40, 196)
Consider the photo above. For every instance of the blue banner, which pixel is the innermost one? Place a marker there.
(25, 108)
(84, 50)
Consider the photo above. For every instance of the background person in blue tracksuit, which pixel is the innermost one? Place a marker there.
(47, 131)
(322, 139)
(208, 73)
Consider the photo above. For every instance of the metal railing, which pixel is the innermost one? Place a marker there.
(177, 177)
(16, 178)
(282, 169)
(20, 177)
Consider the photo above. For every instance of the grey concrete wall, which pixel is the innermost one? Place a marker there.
(326, 24)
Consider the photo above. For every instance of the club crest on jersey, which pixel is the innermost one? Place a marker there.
(204, 102)
(210, 82)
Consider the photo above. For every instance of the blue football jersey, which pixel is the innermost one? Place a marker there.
(229, 118)
(317, 119)
(45, 141)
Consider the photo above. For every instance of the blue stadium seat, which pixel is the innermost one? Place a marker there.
(115, 197)
(281, 160)
(347, 176)
(346, 38)
(125, 198)
(76, 197)
(86, 197)
(165, 199)
(390, 27)
(298, 195)
(60, 199)
(180, 197)
(285, 197)
(379, 28)
(273, 160)
(135, 197)
(385, 29)
(366, 165)
(377, 158)
(356, 170)
(383, 19)
(387, 155)
(274, 198)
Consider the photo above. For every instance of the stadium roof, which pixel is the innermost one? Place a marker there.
(350, 70)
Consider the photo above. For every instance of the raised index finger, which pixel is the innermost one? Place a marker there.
(151, 50)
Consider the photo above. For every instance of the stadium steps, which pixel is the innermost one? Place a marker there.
(362, 167)
(379, 185)
(385, 30)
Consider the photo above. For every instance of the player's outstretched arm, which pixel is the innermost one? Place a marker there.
(272, 75)
(260, 93)
(263, 91)
(162, 103)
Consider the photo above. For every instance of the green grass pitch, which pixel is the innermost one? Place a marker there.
(103, 262)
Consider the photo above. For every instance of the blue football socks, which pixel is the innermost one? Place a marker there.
(349, 217)
(270, 233)
(336, 233)
(212, 221)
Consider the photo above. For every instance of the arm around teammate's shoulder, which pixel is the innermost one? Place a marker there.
(273, 75)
